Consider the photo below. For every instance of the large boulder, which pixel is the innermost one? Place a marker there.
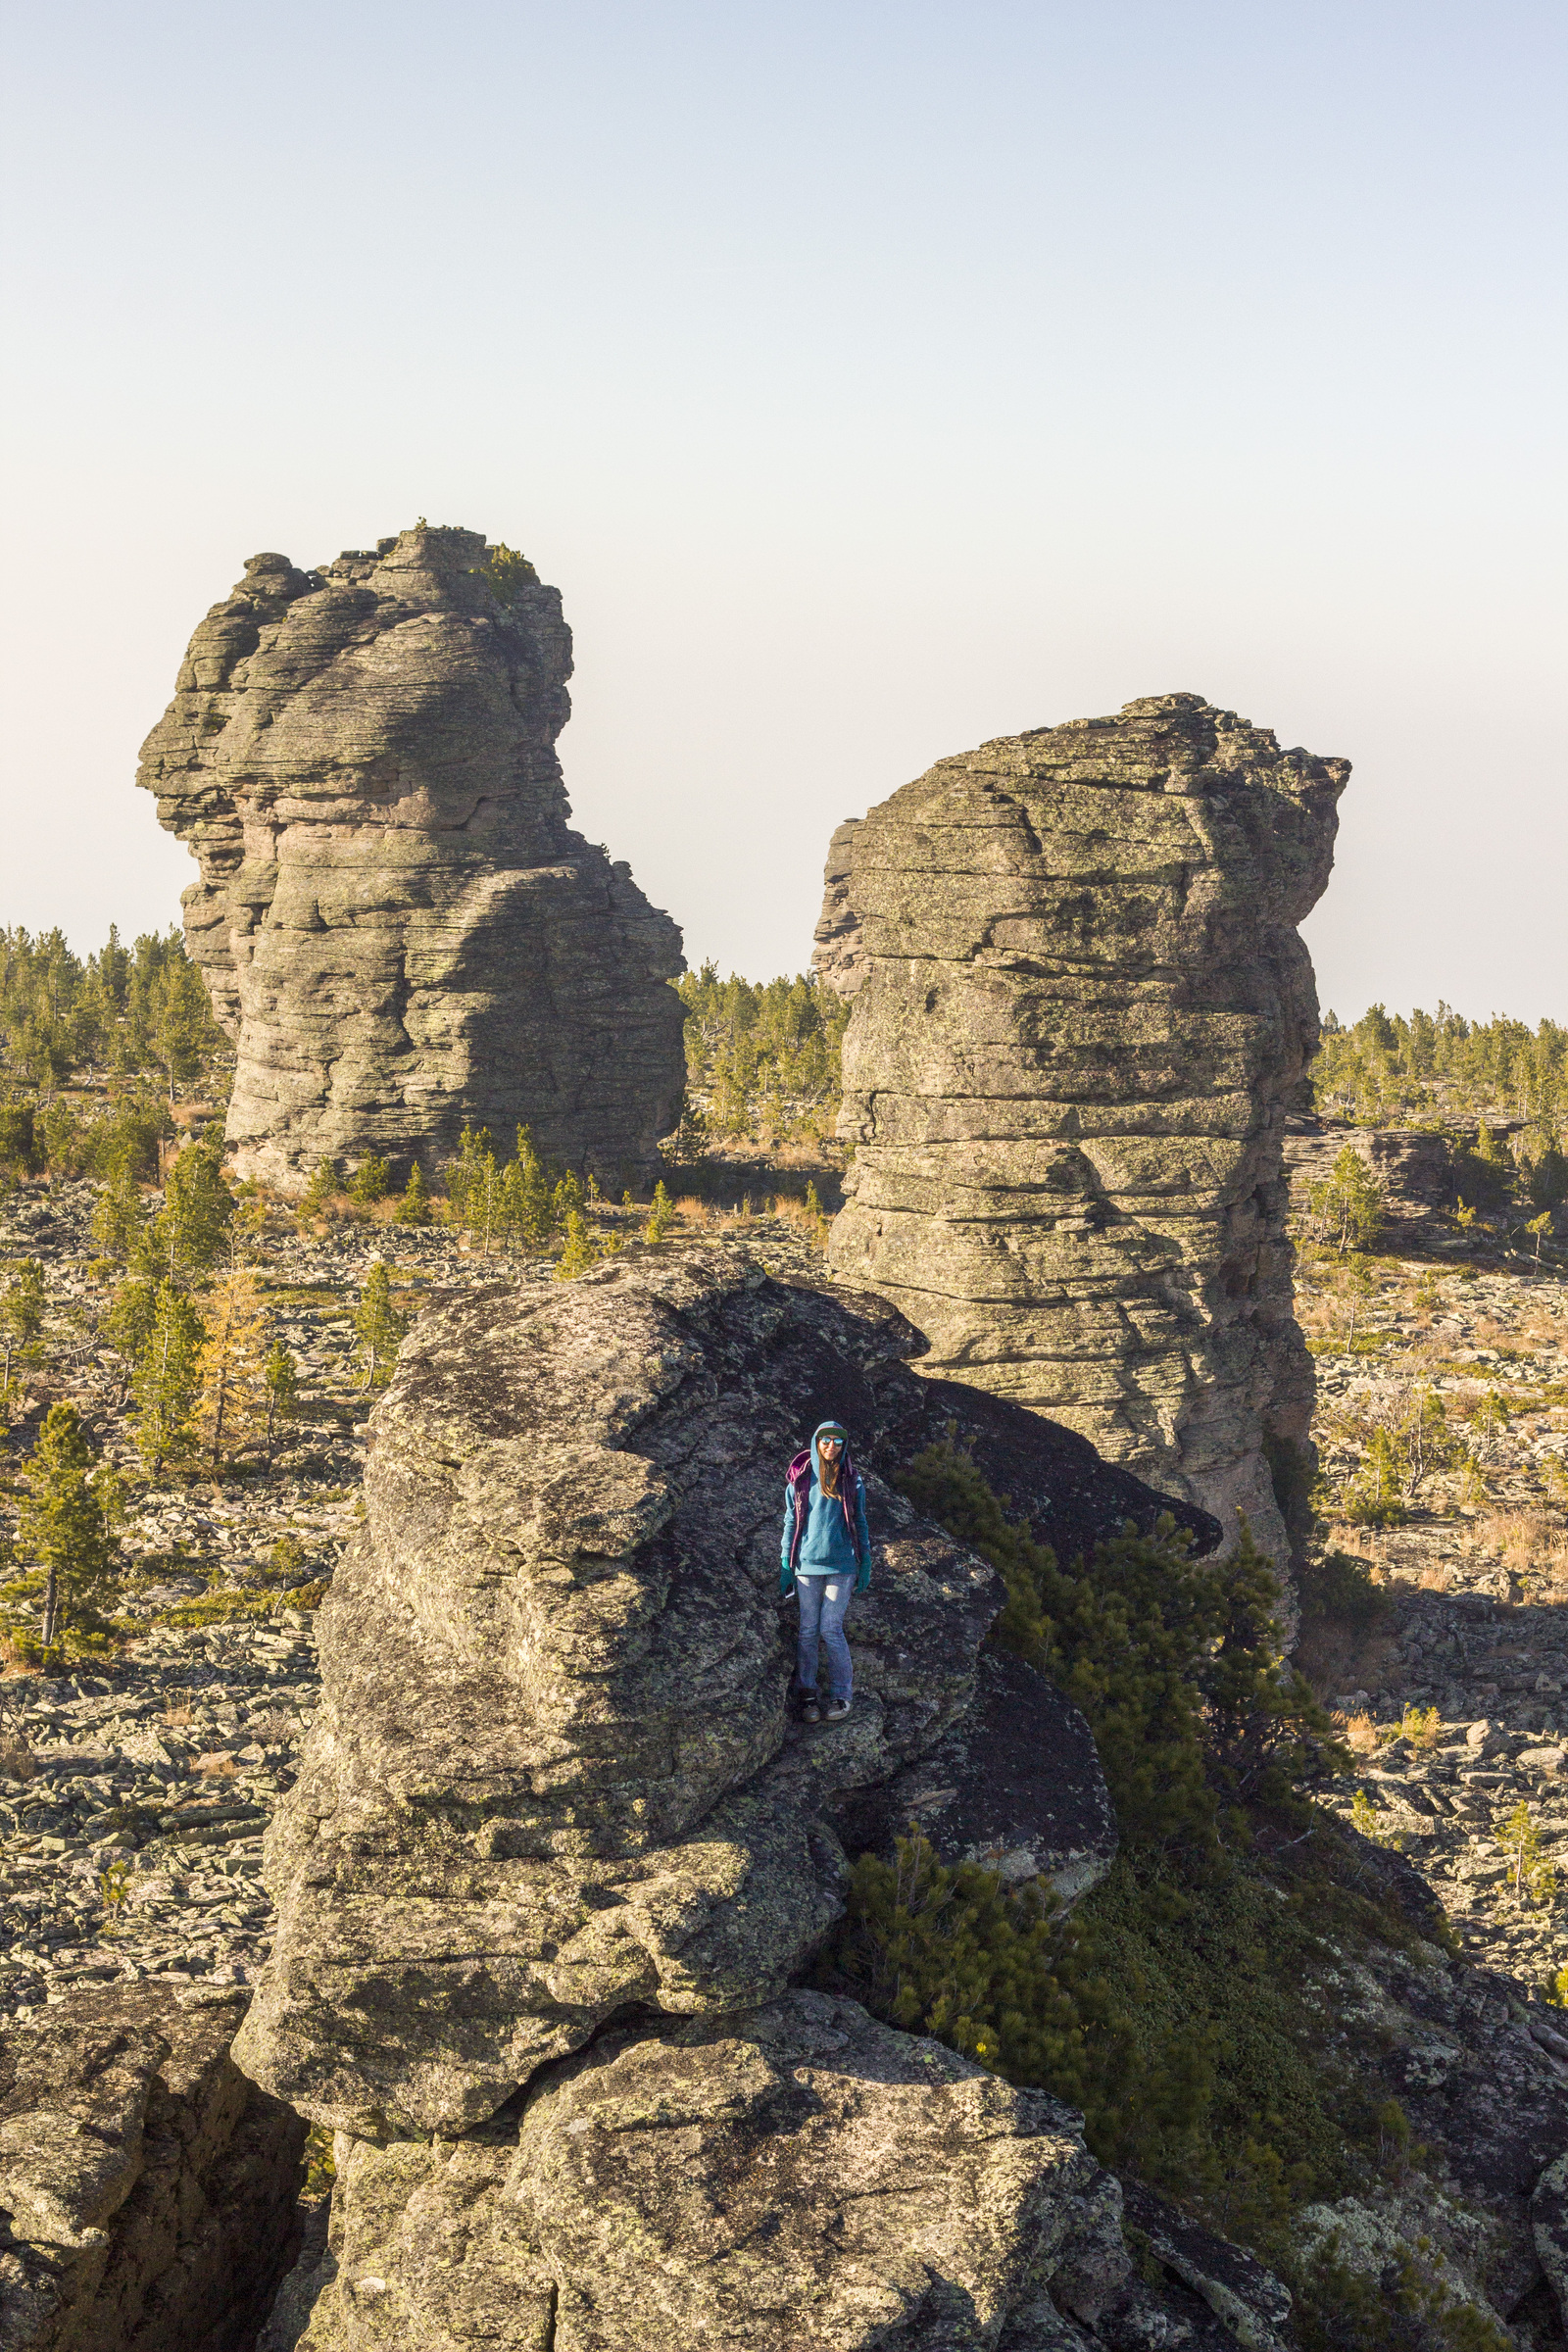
(397, 924)
(1081, 1010)
(146, 2188)
(800, 2176)
(554, 1774)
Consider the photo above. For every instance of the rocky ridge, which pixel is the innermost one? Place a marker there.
(558, 1850)
(1474, 1595)
(394, 918)
(1081, 1011)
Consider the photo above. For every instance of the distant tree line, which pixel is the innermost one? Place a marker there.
(761, 1057)
(1387, 1070)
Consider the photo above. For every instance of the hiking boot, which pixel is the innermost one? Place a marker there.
(835, 1710)
(811, 1710)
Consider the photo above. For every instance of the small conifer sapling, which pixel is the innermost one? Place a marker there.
(67, 1524)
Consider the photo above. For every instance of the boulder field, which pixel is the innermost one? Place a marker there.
(1081, 1011)
(394, 919)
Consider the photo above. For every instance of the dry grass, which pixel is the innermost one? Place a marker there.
(15, 1757)
(791, 1211)
(1520, 1539)
(1359, 1733)
(1545, 1329)
(1434, 1577)
(216, 1767)
(177, 1710)
(692, 1211)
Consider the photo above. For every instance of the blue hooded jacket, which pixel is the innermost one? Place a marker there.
(824, 1535)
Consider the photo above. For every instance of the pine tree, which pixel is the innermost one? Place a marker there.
(190, 1233)
(528, 1217)
(474, 1187)
(378, 1326)
(566, 1199)
(181, 1020)
(281, 1376)
(1534, 1879)
(662, 1215)
(128, 1325)
(117, 1217)
(321, 1191)
(231, 1409)
(22, 1311)
(66, 1524)
(165, 1379)
(371, 1179)
(413, 1207)
(579, 1252)
(1347, 1207)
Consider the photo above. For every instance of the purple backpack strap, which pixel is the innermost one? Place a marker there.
(799, 1475)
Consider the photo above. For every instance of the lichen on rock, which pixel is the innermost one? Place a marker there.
(560, 1851)
(1080, 1013)
(395, 920)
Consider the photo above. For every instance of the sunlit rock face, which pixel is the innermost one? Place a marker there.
(1081, 1008)
(398, 925)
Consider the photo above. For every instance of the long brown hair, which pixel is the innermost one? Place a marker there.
(827, 1473)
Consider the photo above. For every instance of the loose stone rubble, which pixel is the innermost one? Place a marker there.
(1081, 1010)
(395, 920)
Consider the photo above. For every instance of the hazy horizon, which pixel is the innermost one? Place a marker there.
(872, 381)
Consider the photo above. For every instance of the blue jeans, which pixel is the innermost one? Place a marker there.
(823, 1601)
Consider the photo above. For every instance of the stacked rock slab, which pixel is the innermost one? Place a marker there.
(397, 924)
(1081, 1009)
(558, 1853)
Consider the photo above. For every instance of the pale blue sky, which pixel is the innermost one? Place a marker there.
(871, 379)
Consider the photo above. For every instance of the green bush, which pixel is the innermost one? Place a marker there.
(1177, 1663)
(1174, 2005)
(1340, 1587)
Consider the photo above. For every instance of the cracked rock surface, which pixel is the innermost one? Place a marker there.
(396, 922)
(554, 1773)
(1081, 1009)
(147, 2189)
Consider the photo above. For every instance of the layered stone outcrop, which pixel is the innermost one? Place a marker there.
(560, 1851)
(396, 922)
(147, 2189)
(1081, 1011)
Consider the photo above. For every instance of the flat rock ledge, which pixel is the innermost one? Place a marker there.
(1081, 1013)
(394, 919)
(559, 1851)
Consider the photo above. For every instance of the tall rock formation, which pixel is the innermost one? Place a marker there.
(1080, 1009)
(557, 1852)
(397, 924)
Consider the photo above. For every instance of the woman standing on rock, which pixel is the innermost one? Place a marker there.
(826, 1555)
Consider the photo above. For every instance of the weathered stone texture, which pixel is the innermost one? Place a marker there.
(554, 1773)
(1081, 1008)
(558, 1849)
(396, 922)
(146, 2188)
(799, 2176)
